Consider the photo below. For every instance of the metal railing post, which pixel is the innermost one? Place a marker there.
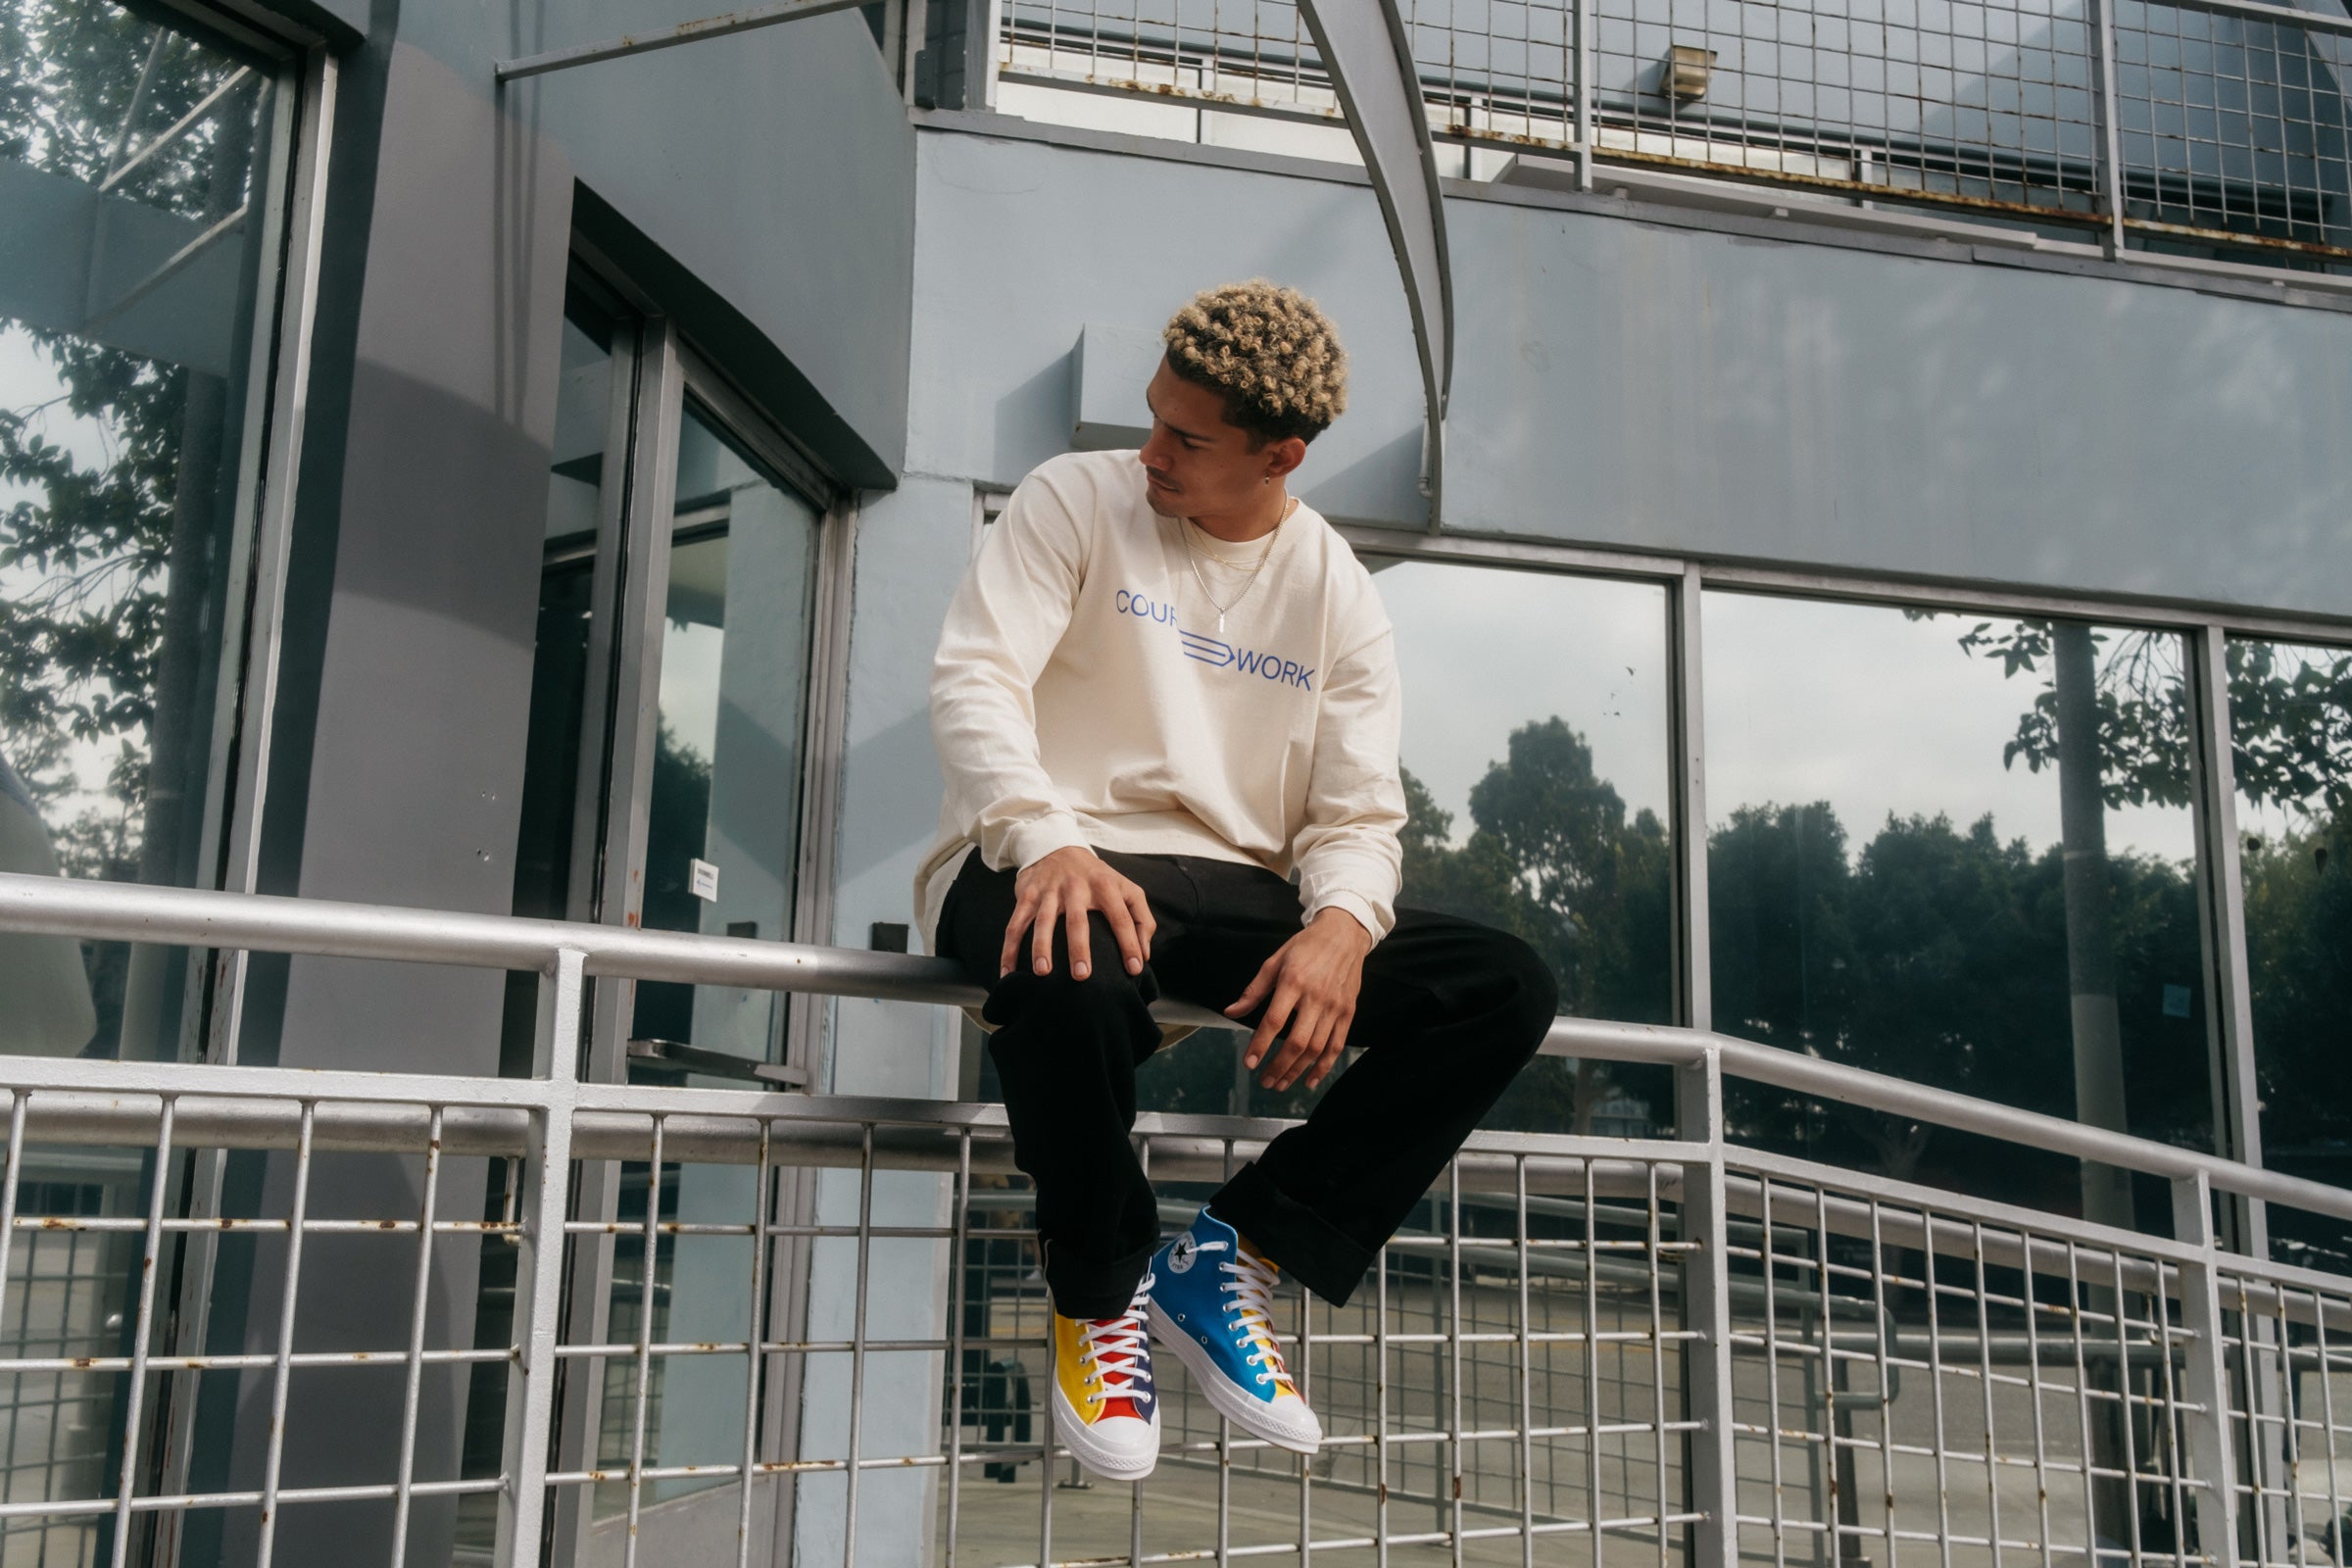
(2110, 150)
(2270, 1413)
(1713, 1468)
(2206, 1407)
(984, 27)
(1695, 963)
(539, 1270)
(2237, 1094)
(1584, 94)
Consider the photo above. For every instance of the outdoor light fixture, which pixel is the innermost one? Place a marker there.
(1687, 68)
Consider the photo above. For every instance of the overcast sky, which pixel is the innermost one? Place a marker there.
(1482, 651)
(1853, 704)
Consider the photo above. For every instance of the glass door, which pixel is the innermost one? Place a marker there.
(722, 832)
(727, 669)
(689, 575)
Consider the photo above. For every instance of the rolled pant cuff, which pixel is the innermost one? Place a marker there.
(1088, 1288)
(1297, 1239)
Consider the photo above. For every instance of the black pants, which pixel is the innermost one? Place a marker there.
(1449, 1013)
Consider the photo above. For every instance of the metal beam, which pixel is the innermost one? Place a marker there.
(638, 43)
(1370, 59)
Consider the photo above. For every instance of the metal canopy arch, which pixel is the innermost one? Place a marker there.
(1369, 57)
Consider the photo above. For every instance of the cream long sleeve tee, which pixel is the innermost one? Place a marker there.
(1083, 694)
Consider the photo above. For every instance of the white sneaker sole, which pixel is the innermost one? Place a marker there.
(1112, 1461)
(1252, 1415)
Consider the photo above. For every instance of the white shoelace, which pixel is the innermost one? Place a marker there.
(1119, 1348)
(1251, 1283)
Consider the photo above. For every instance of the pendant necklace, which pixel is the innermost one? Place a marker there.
(1193, 554)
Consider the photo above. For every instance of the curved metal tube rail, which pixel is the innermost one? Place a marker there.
(175, 916)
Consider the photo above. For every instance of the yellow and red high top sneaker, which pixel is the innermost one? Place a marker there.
(1106, 1411)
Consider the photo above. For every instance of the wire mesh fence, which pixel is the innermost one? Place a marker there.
(2190, 125)
(1923, 1378)
(710, 1325)
(2232, 122)
(824, 1327)
(2286, 1351)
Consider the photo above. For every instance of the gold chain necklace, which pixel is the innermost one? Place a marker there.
(1192, 555)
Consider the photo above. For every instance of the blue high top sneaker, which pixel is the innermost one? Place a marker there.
(1105, 1410)
(1213, 1303)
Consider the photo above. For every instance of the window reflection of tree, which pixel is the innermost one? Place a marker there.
(2291, 758)
(116, 495)
(2292, 740)
(108, 627)
(1552, 859)
(1949, 955)
(1939, 954)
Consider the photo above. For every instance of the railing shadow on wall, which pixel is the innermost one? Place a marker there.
(811, 1330)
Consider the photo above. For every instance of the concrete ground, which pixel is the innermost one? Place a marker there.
(1097, 1522)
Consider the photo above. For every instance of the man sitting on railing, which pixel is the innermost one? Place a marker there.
(1165, 701)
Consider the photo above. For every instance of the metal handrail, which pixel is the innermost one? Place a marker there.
(117, 912)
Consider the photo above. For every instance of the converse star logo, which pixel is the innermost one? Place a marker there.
(1180, 1255)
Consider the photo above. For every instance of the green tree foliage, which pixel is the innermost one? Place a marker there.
(87, 549)
(2142, 702)
(2290, 715)
(1939, 954)
(2299, 926)
(2298, 902)
(1552, 859)
(2290, 726)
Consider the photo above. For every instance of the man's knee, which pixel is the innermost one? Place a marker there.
(1026, 994)
(1108, 1004)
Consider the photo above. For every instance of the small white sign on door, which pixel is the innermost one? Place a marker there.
(702, 880)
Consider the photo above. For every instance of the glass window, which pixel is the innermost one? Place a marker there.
(2290, 718)
(1959, 850)
(545, 852)
(134, 162)
(722, 834)
(1537, 764)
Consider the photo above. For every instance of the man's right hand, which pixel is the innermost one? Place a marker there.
(1067, 886)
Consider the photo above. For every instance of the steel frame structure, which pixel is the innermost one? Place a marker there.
(1722, 1336)
(1524, 79)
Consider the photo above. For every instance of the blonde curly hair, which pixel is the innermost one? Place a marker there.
(1269, 350)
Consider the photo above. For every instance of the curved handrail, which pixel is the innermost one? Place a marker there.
(121, 912)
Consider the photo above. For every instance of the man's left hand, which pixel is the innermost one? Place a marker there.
(1312, 979)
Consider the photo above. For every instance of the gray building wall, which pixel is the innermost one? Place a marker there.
(775, 172)
(1676, 388)
(1655, 386)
